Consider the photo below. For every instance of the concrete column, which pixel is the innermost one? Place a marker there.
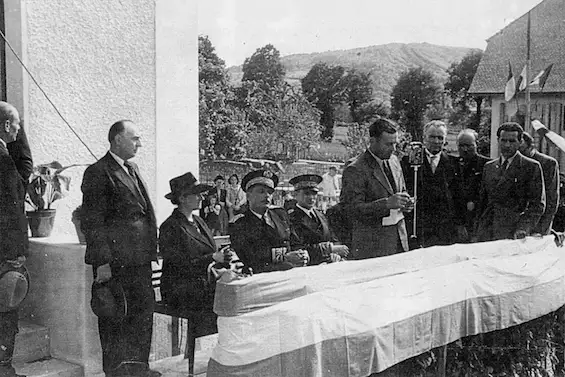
(177, 96)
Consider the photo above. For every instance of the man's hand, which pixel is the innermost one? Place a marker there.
(520, 234)
(400, 200)
(297, 257)
(18, 262)
(341, 250)
(335, 258)
(103, 273)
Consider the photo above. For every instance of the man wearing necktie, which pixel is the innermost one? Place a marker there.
(262, 237)
(376, 199)
(435, 210)
(512, 196)
(121, 241)
(311, 225)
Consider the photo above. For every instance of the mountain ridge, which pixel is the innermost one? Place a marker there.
(385, 63)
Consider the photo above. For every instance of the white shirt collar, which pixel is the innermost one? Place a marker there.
(502, 159)
(119, 160)
(379, 160)
(258, 215)
(3, 143)
(309, 212)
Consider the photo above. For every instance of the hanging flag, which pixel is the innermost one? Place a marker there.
(510, 88)
(521, 84)
(541, 77)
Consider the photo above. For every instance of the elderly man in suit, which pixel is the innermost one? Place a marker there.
(550, 171)
(13, 228)
(311, 225)
(121, 241)
(374, 194)
(512, 191)
(262, 237)
(466, 187)
(435, 210)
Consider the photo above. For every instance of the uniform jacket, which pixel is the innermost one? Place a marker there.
(466, 188)
(311, 235)
(253, 240)
(186, 255)
(13, 222)
(364, 194)
(511, 200)
(119, 221)
(435, 208)
(550, 170)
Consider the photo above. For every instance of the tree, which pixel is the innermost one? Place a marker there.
(460, 77)
(223, 128)
(414, 92)
(323, 87)
(358, 94)
(264, 67)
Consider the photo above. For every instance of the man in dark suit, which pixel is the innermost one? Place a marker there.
(435, 210)
(21, 154)
(121, 241)
(262, 237)
(512, 191)
(311, 225)
(374, 194)
(466, 187)
(13, 228)
(550, 170)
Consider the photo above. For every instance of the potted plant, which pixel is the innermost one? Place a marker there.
(46, 185)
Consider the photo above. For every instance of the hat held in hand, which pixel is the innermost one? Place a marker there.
(108, 299)
(14, 286)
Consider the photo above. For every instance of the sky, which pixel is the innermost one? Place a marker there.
(237, 28)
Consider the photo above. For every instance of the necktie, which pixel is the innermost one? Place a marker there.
(434, 162)
(503, 167)
(389, 176)
(314, 216)
(267, 220)
(135, 178)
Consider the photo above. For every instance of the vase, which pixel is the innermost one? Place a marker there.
(41, 222)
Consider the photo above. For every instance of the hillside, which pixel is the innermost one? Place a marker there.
(385, 62)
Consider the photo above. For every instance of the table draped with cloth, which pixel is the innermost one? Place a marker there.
(361, 317)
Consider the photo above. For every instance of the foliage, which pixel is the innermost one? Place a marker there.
(264, 67)
(285, 122)
(460, 77)
(47, 185)
(415, 91)
(223, 128)
(323, 86)
(359, 94)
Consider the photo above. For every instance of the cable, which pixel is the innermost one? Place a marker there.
(46, 96)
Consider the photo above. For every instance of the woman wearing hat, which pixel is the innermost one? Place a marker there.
(262, 237)
(187, 246)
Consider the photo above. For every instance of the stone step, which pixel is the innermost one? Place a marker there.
(32, 343)
(49, 368)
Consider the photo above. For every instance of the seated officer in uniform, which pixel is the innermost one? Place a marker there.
(262, 237)
(311, 225)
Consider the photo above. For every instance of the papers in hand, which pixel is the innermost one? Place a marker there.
(393, 218)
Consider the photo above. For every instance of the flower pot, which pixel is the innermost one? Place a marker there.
(41, 222)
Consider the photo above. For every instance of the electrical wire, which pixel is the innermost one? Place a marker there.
(46, 96)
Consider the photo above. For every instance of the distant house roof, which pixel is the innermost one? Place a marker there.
(547, 45)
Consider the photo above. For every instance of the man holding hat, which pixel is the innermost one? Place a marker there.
(121, 241)
(311, 225)
(262, 237)
(13, 239)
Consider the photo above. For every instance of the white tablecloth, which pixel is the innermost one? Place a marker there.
(357, 318)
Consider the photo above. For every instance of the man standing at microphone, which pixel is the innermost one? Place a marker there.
(374, 194)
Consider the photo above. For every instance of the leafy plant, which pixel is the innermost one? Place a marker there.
(47, 184)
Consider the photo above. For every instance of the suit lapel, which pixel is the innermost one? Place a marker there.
(323, 224)
(124, 177)
(378, 173)
(206, 238)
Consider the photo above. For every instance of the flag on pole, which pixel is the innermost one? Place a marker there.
(541, 77)
(521, 84)
(510, 88)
